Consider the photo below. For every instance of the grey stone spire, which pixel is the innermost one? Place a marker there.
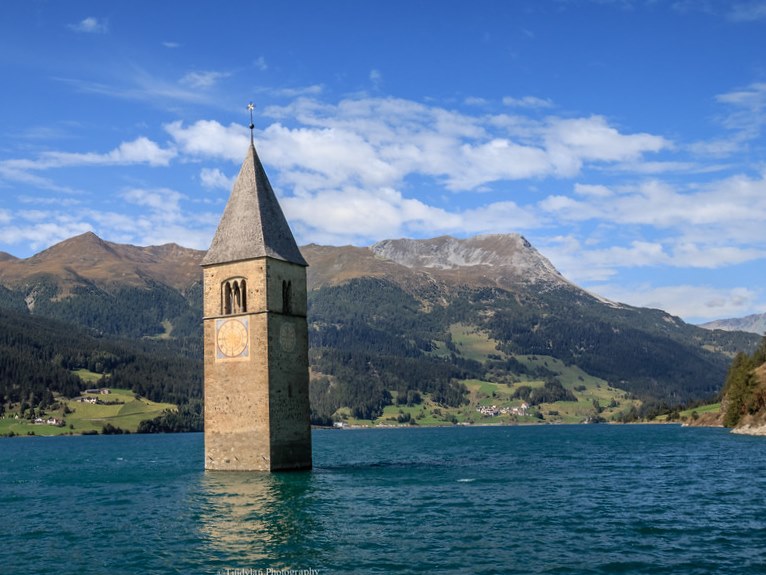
(253, 225)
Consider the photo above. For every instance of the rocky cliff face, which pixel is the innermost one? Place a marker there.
(508, 258)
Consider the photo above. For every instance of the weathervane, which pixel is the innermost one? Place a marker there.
(251, 107)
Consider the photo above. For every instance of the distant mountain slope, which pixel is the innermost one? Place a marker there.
(116, 289)
(400, 298)
(87, 260)
(755, 323)
(382, 318)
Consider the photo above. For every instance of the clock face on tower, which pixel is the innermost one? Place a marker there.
(231, 338)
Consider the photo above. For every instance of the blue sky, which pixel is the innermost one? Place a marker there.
(624, 139)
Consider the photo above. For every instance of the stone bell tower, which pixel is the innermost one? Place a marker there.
(256, 337)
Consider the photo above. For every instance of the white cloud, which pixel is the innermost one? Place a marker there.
(91, 25)
(215, 178)
(747, 115)
(209, 139)
(139, 85)
(592, 190)
(383, 140)
(139, 151)
(748, 11)
(18, 171)
(751, 97)
(527, 102)
(730, 209)
(362, 216)
(696, 303)
(163, 201)
(582, 263)
(39, 233)
(354, 214)
(376, 78)
(260, 63)
(336, 155)
(297, 92)
(498, 217)
(570, 142)
(171, 44)
(475, 101)
(203, 79)
(498, 159)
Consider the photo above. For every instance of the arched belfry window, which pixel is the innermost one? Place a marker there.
(287, 288)
(227, 297)
(234, 296)
(243, 294)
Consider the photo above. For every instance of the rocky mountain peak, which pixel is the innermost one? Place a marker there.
(509, 256)
(85, 249)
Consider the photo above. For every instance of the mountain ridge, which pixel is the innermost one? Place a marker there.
(388, 320)
(754, 323)
(497, 260)
(88, 259)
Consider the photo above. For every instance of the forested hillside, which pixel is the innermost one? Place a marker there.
(39, 357)
(744, 395)
(371, 337)
(388, 325)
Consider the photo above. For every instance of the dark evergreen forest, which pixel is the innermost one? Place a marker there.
(371, 343)
(38, 355)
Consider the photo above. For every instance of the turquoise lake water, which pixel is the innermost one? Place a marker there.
(526, 500)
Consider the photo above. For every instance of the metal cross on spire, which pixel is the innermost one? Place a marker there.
(251, 107)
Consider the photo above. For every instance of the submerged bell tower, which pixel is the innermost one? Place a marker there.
(255, 334)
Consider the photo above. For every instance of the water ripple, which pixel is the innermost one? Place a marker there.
(542, 500)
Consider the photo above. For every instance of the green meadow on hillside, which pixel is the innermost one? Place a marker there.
(499, 400)
(120, 408)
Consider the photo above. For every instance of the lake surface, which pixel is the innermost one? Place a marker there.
(547, 499)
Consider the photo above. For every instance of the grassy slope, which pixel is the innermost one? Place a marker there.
(476, 345)
(87, 417)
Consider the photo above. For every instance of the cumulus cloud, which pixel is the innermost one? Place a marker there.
(91, 25)
(355, 214)
(389, 139)
(209, 139)
(656, 224)
(726, 207)
(570, 142)
(214, 178)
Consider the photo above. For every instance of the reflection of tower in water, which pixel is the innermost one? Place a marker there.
(253, 516)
